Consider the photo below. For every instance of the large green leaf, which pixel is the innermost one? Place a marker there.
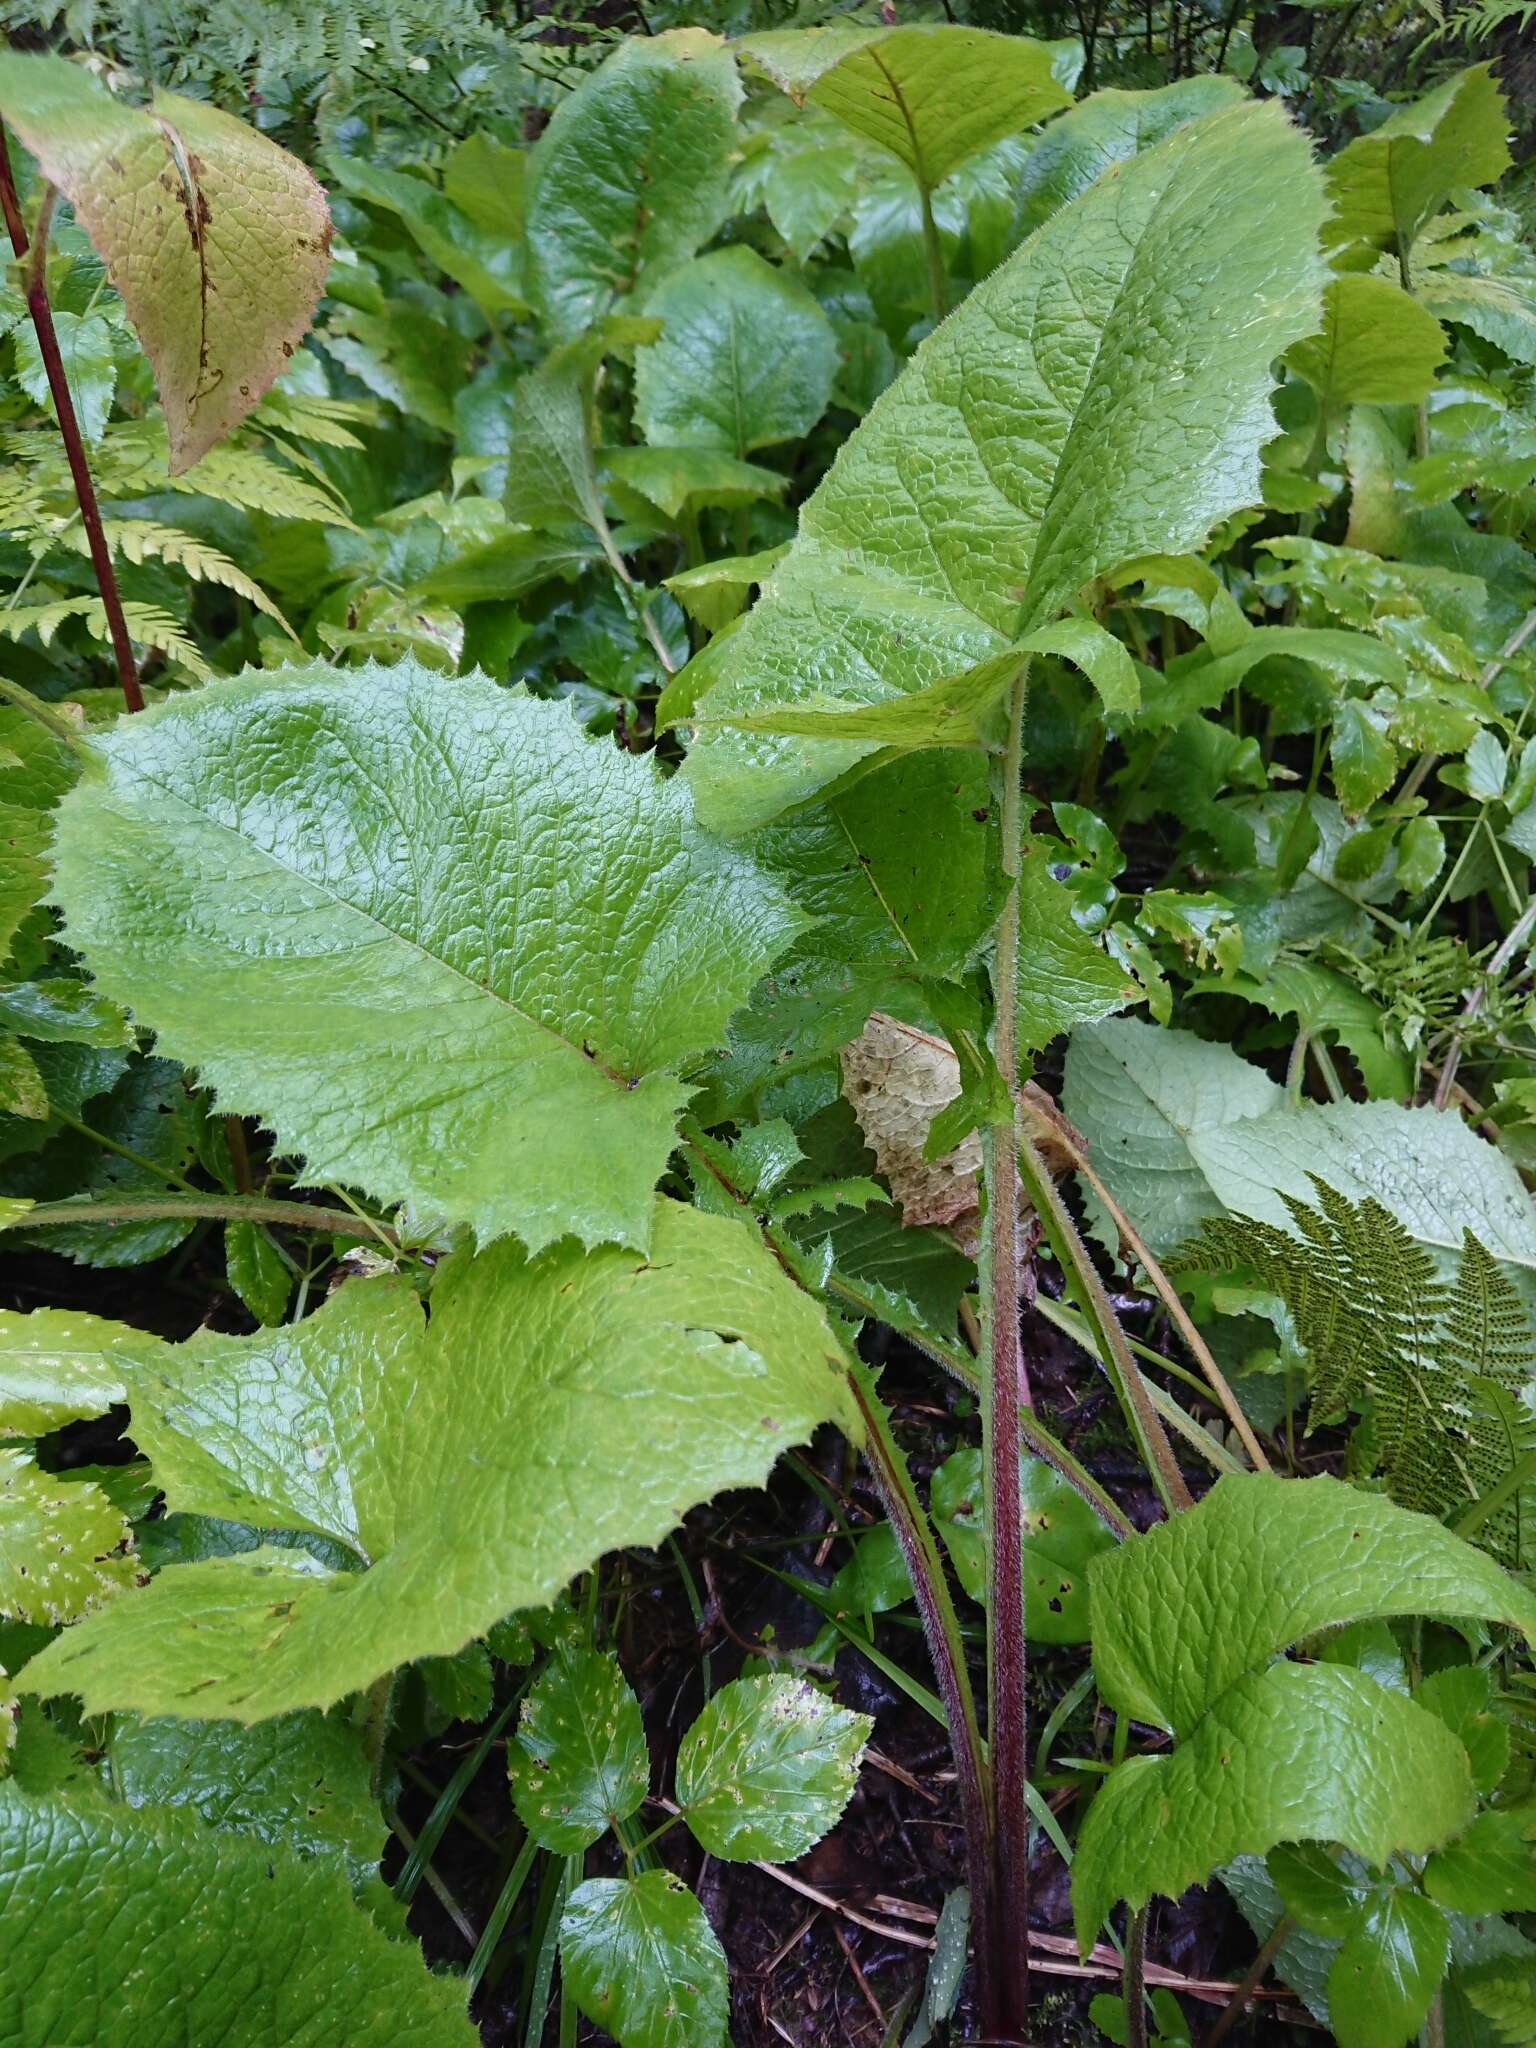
(486, 260)
(1181, 1613)
(932, 94)
(347, 927)
(1295, 1753)
(579, 1762)
(217, 239)
(1377, 345)
(300, 1781)
(1187, 1623)
(629, 178)
(640, 1959)
(768, 1767)
(1387, 1970)
(746, 357)
(1386, 185)
(1105, 129)
(124, 1928)
(1105, 394)
(554, 1409)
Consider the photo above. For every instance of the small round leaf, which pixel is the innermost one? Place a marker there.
(579, 1762)
(768, 1767)
(641, 1960)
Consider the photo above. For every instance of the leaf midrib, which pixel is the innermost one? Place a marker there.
(617, 1077)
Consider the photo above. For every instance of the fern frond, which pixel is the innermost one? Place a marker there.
(239, 476)
(1384, 1333)
(327, 422)
(141, 540)
(147, 624)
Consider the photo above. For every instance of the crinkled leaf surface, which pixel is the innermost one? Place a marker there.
(217, 239)
(579, 1761)
(1105, 394)
(1492, 1867)
(1104, 129)
(1181, 1613)
(629, 178)
(1377, 345)
(1384, 186)
(1293, 1753)
(768, 1768)
(641, 1960)
(122, 1923)
(64, 1548)
(746, 357)
(446, 947)
(555, 1409)
(932, 94)
(300, 1781)
(1061, 1534)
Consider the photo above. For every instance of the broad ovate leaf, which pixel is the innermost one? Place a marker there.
(117, 1918)
(646, 1384)
(1189, 1626)
(1103, 395)
(1388, 1970)
(768, 1768)
(1293, 1753)
(338, 895)
(931, 94)
(642, 1961)
(217, 240)
(1377, 345)
(1181, 1613)
(1384, 186)
(579, 1763)
(630, 176)
(745, 358)
(1105, 129)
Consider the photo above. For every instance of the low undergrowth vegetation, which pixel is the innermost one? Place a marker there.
(680, 790)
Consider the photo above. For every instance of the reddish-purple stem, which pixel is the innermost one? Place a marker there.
(69, 428)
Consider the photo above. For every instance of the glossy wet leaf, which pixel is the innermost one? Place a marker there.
(300, 1781)
(579, 1761)
(768, 1767)
(116, 1918)
(642, 1961)
(1093, 400)
(58, 1365)
(1387, 1970)
(647, 1384)
(1061, 1534)
(629, 178)
(745, 358)
(1492, 1867)
(344, 931)
(217, 240)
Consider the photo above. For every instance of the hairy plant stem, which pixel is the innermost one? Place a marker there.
(220, 1208)
(1004, 1391)
(69, 426)
(941, 1626)
(1133, 1981)
(934, 251)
